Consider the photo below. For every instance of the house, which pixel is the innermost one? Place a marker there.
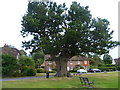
(75, 61)
(78, 61)
(117, 61)
(10, 51)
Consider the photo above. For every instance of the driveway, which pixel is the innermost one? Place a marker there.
(23, 78)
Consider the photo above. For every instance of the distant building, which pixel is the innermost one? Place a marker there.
(10, 51)
(78, 61)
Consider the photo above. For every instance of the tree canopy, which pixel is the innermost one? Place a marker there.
(38, 58)
(107, 59)
(63, 32)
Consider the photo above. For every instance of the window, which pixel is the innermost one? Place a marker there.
(71, 68)
(85, 62)
(50, 69)
(68, 68)
(18, 56)
(78, 61)
(50, 62)
(71, 62)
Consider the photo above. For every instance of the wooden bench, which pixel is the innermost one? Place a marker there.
(85, 81)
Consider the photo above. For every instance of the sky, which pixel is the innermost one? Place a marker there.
(11, 12)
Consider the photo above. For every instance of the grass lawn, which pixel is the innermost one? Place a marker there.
(102, 80)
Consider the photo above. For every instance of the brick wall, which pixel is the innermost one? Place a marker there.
(49, 65)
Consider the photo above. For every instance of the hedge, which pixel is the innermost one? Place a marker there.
(40, 70)
(107, 68)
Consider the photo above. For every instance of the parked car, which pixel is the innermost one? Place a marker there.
(82, 71)
(94, 70)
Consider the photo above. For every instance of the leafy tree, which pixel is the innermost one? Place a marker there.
(107, 59)
(38, 57)
(39, 62)
(63, 32)
(27, 66)
(97, 60)
(9, 65)
(26, 61)
(91, 61)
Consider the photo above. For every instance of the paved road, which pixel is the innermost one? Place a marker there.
(22, 78)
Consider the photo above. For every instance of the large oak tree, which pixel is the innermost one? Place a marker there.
(63, 32)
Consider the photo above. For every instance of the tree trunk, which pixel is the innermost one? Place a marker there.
(61, 67)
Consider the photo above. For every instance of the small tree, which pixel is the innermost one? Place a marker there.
(9, 65)
(27, 65)
(91, 61)
(97, 60)
(107, 59)
(38, 57)
(26, 61)
(39, 62)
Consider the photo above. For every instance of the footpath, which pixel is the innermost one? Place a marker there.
(23, 78)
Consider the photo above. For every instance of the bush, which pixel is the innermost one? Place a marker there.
(16, 73)
(73, 71)
(107, 68)
(118, 68)
(26, 61)
(52, 71)
(40, 70)
(110, 65)
(9, 65)
(28, 71)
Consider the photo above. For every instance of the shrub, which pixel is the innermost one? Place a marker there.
(107, 68)
(28, 71)
(52, 71)
(16, 73)
(26, 61)
(110, 65)
(9, 65)
(40, 70)
(118, 68)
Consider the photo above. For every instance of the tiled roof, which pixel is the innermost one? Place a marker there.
(46, 57)
(11, 51)
(79, 58)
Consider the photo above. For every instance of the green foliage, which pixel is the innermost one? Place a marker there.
(91, 61)
(26, 61)
(40, 70)
(63, 32)
(39, 62)
(75, 32)
(52, 71)
(16, 74)
(109, 65)
(97, 60)
(107, 68)
(107, 59)
(9, 65)
(69, 32)
(38, 55)
(73, 71)
(27, 66)
(29, 71)
(118, 68)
